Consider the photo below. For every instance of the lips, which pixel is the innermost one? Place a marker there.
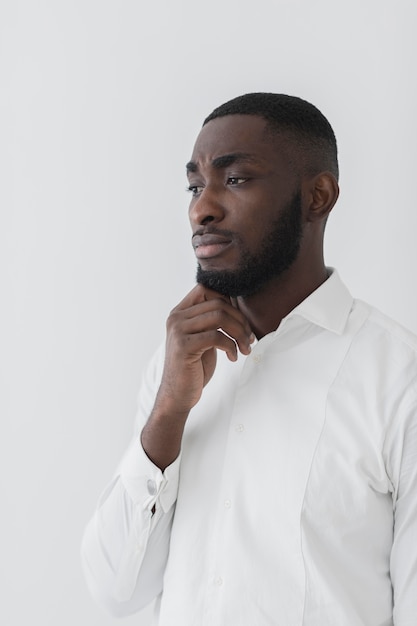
(210, 245)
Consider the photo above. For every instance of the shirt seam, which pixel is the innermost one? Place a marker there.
(337, 374)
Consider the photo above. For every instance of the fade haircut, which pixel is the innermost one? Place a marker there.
(302, 123)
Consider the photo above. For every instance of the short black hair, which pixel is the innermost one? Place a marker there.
(301, 121)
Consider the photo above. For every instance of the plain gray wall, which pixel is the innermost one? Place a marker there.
(100, 104)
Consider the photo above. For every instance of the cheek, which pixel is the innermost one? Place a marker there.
(254, 235)
(258, 221)
(251, 215)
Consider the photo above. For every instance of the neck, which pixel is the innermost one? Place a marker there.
(266, 308)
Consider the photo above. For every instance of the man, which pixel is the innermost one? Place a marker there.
(275, 478)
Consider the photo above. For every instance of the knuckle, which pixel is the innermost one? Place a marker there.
(217, 314)
(173, 318)
(221, 303)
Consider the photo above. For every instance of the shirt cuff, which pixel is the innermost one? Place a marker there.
(145, 482)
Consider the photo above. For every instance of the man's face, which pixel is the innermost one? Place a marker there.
(245, 212)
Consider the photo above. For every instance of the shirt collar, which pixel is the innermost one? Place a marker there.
(328, 306)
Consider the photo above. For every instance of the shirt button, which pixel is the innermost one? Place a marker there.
(239, 428)
(218, 581)
(151, 485)
(257, 358)
(227, 504)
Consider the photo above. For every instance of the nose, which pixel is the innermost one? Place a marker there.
(205, 208)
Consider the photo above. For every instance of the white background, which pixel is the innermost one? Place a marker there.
(99, 107)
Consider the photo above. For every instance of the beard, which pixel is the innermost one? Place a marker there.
(277, 252)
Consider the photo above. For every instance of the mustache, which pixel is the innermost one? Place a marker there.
(210, 230)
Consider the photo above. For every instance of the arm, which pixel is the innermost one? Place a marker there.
(193, 336)
(124, 537)
(125, 546)
(403, 469)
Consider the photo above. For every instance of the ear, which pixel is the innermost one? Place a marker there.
(322, 193)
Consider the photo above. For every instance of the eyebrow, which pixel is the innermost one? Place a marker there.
(225, 160)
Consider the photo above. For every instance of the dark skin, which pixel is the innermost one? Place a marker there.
(240, 177)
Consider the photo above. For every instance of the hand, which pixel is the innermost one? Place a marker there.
(202, 323)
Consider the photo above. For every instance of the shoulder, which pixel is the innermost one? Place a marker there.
(381, 327)
(385, 351)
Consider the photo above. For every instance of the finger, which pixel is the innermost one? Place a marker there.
(235, 326)
(199, 343)
(220, 306)
(200, 294)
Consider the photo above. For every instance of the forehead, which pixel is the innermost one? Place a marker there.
(246, 134)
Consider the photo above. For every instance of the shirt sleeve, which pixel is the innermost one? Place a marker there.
(125, 545)
(403, 470)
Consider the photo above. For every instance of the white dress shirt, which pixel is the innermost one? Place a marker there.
(294, 499)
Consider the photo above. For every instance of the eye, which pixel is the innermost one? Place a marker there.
(236, 180)
(195, 190)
